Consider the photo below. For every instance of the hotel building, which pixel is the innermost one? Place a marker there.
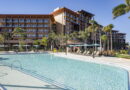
(68, 21)
(36, 26)
(65, 20)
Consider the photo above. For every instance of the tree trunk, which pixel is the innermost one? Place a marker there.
(111, 42)
(95, 41)
(100, 42)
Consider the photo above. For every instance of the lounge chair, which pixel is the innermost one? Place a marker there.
(87, 53)
(97, 53)
(84, 52)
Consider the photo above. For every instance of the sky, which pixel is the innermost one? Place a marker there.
(102, 9)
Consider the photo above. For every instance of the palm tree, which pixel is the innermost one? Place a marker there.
(20, 33)
(104, 39)
(1, 39)
(52, 38)
(121, 9)
(74, 35)
(93, 28)
(83, 35)
(43, 42)
(108, 30)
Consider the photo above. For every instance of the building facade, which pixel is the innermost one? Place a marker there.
(35, 26)
(65, 20)
(68, 21)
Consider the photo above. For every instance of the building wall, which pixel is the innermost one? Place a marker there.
(60, 22)
(36, 27)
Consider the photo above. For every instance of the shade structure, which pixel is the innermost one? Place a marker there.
(17, 45)
(83, 45)
(36, 45)
(26, 45)
(96, 44)
(4, 46)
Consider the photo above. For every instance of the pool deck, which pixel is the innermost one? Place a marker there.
(12, 79)
(112, 61)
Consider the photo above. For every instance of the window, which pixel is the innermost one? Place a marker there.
(40, 35)
(9, 20)
(2, 20)
(46, 20)
(45, 30)
(34, 25)
(40, 20)
(21, 20)
(31, 35)
(15, 20)
(34, 20)
(40, 30)
(46, 35)
(40, 25)
(28, 20)
(46, 25)
(28, 25)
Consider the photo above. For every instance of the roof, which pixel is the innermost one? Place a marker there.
(115, 31)
(86, 13)
(60, 10)
(122, 33)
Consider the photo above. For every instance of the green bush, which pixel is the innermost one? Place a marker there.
(123, 51)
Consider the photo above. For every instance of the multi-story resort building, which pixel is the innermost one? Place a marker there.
(38, 26)
(68, 21)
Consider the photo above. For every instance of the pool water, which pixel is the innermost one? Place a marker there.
(73, 73)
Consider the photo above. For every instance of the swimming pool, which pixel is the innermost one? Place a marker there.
(69, 73)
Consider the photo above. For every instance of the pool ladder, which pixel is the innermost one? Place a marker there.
(16, 62)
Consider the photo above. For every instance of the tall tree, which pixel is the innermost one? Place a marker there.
(21, 35)
(104, 39)
(83, 35)
(52, 39)
(1, 39)
(43, 42)
(93, 28)
(121, 9)
(108, 30)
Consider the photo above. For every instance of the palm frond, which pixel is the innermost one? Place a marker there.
(119, 10)
(127, 2)
(127, 9)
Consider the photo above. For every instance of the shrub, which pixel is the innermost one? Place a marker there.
(123, 51)
(54, 50)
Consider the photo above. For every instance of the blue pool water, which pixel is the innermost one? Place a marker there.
(78, 75)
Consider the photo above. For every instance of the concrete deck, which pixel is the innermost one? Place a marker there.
(112, 61)
(15, 80)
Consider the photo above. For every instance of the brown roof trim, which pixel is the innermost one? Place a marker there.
(86, 12)
(122, 33)
(27, 16)
(115, 31)
(60, 10)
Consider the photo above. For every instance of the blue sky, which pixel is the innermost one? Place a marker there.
(101, 8)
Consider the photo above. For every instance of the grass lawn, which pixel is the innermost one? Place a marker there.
(123, 56)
